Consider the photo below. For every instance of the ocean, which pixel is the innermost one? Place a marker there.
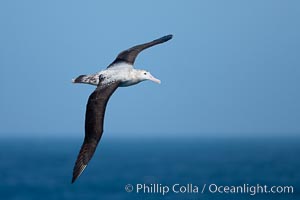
(42, 168)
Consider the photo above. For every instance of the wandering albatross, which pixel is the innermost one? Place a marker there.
(120, 73)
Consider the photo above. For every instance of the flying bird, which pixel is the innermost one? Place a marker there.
(120, 73)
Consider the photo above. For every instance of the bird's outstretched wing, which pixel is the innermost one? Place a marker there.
(128, 56)
(95, 111)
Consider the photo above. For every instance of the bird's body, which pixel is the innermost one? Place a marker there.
(120, 73)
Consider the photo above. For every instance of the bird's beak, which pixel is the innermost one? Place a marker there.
(152, 78)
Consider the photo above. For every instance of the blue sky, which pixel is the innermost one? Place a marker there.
(232, 68)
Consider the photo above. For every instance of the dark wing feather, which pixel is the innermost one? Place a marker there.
(130, 55)
(95, 111)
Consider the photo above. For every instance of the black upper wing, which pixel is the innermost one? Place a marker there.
(130, 55)
(95, 111)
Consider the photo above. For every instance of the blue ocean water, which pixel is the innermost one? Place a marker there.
(42, 168)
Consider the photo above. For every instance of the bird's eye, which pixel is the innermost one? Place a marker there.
(145, 73)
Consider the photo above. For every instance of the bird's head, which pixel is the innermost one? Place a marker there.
(144, 75)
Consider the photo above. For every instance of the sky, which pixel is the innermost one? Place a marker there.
(232, 67)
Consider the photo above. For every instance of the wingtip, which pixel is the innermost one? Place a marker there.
(167, 37)
(77, 172)
(73, 179)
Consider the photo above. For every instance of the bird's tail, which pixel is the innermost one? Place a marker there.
(87, 79)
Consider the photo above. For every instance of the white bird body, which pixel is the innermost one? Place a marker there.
(120, 72)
